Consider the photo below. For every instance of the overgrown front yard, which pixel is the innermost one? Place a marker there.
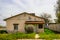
(15, 36)
(48, 35)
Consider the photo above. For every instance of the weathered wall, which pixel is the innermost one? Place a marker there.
(35, 19)
(20, 20)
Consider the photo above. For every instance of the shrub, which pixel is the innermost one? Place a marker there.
(3, 31)
(49, 35)
(47, 31)
(29, 29)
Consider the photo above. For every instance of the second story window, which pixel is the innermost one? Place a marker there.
(29, 18)
(34, 19)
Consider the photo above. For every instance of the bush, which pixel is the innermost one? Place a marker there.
(3, 31)
(49, 35)
(47, 31)
(29, 29)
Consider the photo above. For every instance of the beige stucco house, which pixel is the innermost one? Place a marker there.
(18, 22)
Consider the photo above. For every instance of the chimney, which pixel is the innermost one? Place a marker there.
(32, 14)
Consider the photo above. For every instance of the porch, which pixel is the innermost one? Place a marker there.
(38, 26)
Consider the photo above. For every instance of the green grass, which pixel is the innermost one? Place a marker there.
(47, 31)
(49, 35)
(6, 37)
(23, 35)
(14, 36)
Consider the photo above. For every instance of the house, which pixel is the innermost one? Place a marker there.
(2, 28)
(18, 22)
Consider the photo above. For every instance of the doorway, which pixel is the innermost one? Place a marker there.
(40, 26)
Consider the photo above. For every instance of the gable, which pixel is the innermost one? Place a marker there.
(19, 17)
(33, 18)
(16, 16)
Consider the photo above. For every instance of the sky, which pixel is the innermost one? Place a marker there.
(12, 7)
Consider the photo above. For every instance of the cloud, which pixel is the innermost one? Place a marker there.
(8, 7)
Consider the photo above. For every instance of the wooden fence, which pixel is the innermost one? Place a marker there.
(54, 27)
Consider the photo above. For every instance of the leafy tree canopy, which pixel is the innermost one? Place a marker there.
(58, 17)
(46, 16)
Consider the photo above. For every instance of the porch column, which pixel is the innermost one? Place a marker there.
(36, 28)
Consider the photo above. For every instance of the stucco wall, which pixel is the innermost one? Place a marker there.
(33, 18)
(20, 20)
(37, 19)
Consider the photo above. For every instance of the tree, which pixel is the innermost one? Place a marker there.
(58, 12)
(46, 17)
(58, 6)
(58, 17)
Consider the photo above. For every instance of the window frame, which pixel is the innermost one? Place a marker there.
(15, 26)
(29, 18)
(40, 26)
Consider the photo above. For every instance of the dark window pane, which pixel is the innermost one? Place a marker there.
(29, 18)
(40, 26)
(15, 26)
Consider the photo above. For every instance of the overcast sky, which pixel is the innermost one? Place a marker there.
(13, 7)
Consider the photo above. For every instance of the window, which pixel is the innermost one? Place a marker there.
(40, 26)
(15, 26)
(29, 18)
(34, 19)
